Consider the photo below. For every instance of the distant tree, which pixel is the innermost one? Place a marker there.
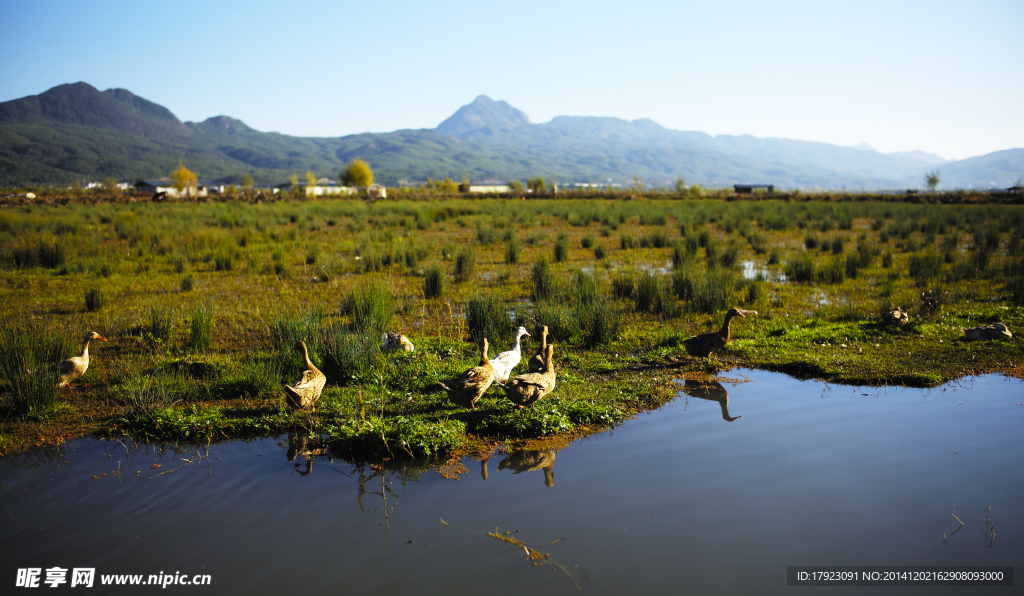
(680, 187)
(537, 184)
(464, 187)
(111, 185)
(516, 186)
(932, 179)
(184, 180)
(357, 173)
(696, 191)
(638, 183)
(247, 183)
(230, 191)
(310, 183)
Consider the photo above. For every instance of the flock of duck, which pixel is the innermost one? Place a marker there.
(464, 390)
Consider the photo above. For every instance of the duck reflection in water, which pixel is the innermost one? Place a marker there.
(711, 391)
(307, 446)
(528, 461)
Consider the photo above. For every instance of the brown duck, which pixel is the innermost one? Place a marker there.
(706, 344)
(526, 390)
(466, 389)
(528, 461)
(536, 363)
(70, 369)
(306, 391)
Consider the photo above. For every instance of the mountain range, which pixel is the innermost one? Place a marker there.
(76, 132)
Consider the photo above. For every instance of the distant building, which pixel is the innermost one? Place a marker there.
(746, 189)
(377, 191)
(490, 188)
(164, 186)
(323, 187)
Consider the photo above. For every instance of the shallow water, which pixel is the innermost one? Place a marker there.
(717, 492)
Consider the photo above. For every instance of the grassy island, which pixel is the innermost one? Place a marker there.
(201, 304)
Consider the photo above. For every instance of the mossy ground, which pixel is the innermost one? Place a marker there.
(265, 268)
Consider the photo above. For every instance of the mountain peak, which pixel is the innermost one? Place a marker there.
(482, 113)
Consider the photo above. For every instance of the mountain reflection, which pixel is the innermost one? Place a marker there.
(711, 391)
(528, 461)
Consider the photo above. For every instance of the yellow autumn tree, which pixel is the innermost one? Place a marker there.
(184, 181)
(357, 173)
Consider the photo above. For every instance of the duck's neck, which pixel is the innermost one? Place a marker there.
(519, 337)
(305, 356)
(543, 344)
(85, 348)
(725, 326)
(484, 361)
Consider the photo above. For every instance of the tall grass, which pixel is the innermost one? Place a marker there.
(94, 300)
(28, 353)
(800, 268)
(200, 327)
(369, 308)
(543, 280)
(595, 317)
(924, 267)
(160, 322)
(706, 291)
(561, 248)
(512, 251)
(433, 282)
(187, 283)
(465, 262)
(487, 316)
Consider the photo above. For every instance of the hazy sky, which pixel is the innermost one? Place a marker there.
(944, 77)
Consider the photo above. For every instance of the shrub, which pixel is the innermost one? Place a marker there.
(465, 262)
(599, 253)
(370, 309)
(712, 292)
(433, 283)
(187, 283)
(348, 356)
(587, 241)
(627, 241)
(811, 241)
(94, 300)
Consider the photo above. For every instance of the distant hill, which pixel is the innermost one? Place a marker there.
(76, 132)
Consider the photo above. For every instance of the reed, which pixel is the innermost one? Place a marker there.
(433, 282)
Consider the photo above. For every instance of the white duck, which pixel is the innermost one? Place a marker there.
(504, 363)
(74, 367)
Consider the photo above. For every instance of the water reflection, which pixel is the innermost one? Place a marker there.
(711, 391)
(528, 461)
(307, 446)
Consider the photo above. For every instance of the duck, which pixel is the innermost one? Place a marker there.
(987, 332)
(466, 389)
(394, 342)
(536, 364)
(897, 317)
(526, 390)
(306, 391)
(504, 362)
(706, 344)
(70, 369)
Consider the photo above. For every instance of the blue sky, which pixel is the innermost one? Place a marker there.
(944, 77)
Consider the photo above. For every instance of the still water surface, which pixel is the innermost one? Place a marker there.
(715, 493)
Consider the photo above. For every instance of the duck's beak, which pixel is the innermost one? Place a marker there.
(527, 334)
(101, 338)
